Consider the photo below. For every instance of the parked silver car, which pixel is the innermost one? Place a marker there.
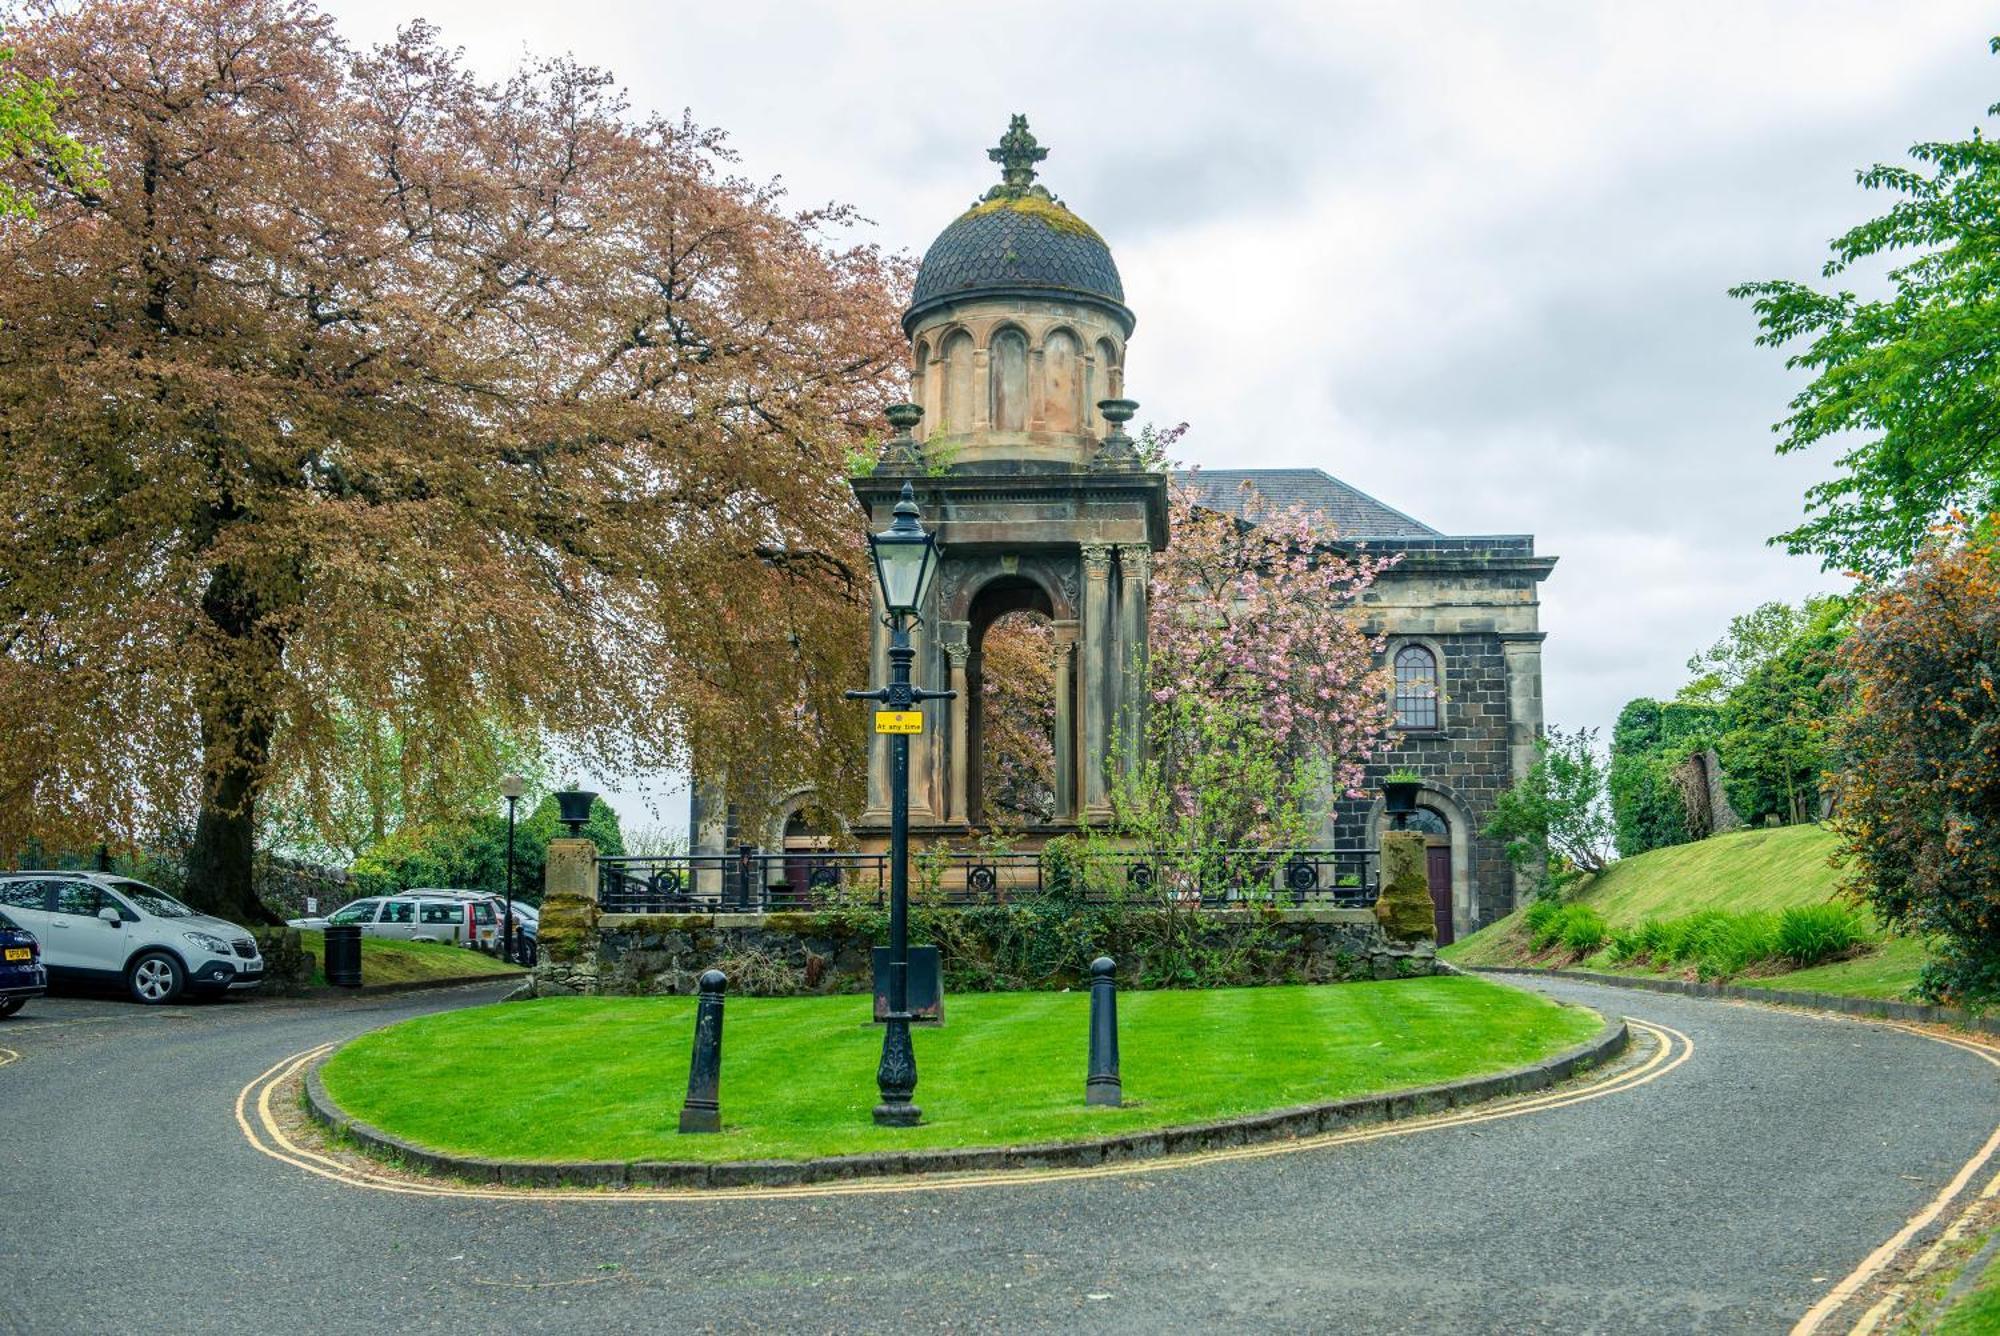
(95, 927)
(463, 918)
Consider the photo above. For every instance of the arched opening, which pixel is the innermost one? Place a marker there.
(1008, 361)
(1110, 381)
(1011, 676)
(1062, 366)
(955, 414)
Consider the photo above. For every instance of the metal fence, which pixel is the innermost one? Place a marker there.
(754, 881)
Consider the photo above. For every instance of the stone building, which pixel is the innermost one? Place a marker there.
(1015, 443)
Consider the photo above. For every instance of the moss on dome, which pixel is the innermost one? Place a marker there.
(1046, 211)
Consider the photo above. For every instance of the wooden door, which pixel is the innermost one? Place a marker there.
(1437, 867)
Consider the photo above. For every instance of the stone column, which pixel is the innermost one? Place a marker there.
(1135, 569)
(877, 811)
(961, 720)
(1065, 739)
(982, 391)
(1096, 678)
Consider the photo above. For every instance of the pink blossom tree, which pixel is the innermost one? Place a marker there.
(1265, 695)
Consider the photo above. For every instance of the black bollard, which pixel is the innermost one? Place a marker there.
(702, 1111)
(1103, 1087)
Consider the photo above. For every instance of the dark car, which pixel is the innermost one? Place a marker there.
(21, 972)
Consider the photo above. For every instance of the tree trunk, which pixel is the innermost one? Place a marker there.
(237, 714)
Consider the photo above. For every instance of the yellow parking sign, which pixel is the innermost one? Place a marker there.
(899, 721)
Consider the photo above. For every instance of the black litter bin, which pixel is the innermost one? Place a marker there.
(343, 955)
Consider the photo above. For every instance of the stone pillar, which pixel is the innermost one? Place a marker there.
(1065, 739)
(961, 720)
(709, 817)
(1135, 569)
(1095, 684)
(1404, 906)
(1523, 654)
(877, 811)
(1522, 651)
(568, 938)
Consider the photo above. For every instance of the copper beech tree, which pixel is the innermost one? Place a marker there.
(359, 389)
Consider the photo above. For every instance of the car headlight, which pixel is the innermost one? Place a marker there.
(215, 946)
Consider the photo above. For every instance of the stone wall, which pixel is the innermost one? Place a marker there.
(781, 954)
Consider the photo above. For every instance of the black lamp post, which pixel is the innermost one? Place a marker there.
(905, 559)
(512, 786)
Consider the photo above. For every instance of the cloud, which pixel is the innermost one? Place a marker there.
(1471, 257)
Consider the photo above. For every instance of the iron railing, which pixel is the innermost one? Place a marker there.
(753, 881)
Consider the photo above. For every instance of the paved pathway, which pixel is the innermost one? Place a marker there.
(1727, 1195)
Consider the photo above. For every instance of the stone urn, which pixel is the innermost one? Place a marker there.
(1399, 796)
(573, 808)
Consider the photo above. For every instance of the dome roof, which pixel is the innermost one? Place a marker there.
(1018, 240)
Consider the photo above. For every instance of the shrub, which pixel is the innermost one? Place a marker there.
(1808, 934)
(1544, 921)
(1583, 930)
(1628, 945)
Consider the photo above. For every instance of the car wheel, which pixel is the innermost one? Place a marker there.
(8, 1006)
(154, 978)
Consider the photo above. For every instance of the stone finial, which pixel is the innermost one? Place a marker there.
(1117, 453)
(1017, 155)
(901, 453)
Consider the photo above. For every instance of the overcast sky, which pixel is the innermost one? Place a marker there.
(1471, 258)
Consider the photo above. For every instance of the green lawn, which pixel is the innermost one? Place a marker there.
(1769, 870)
(603, 1078)
(384, 961)
(1978, 1313)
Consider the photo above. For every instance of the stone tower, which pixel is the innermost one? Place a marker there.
(1017, 446)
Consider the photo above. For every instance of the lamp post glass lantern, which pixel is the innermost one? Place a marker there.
(512, 786)
(905, 558)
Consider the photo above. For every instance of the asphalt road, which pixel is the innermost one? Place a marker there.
(1727, 1195)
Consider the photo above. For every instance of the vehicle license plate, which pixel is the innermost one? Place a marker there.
(19, 953)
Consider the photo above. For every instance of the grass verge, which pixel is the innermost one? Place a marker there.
(1753, 877)
(385, 961)
(602, 1078)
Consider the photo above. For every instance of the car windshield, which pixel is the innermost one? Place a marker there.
(361, 911)
(157, 903)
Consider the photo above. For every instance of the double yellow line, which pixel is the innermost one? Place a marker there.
(254, 1115)
(1873, 1265)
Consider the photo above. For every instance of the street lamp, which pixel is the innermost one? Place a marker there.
(512, 786)
(905, 559)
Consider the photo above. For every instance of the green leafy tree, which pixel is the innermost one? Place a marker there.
(472, 855)
(1754, 639)
(29, 132)
(1556, 819)
(1775, 720)
(1917, 779)
(1648, 741)
(1907, 383)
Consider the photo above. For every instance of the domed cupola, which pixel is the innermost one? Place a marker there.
(1018, 240)
(1018, 325)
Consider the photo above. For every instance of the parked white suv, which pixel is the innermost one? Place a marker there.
(99, 928)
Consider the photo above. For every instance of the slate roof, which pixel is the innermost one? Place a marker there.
(1008, 245)
(1355, 514)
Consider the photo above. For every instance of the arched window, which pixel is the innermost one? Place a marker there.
(1416, 687)
(1107, 384)
(1062, 363)
(1008, 363)
(957, 354)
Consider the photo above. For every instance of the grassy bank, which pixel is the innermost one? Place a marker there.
(1753, 876)
(384, 961)
(602, 1078)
